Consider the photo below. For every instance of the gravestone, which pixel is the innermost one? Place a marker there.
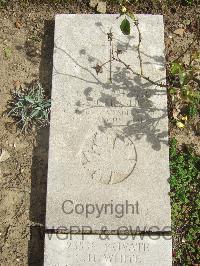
(108, 153)
(108, 141)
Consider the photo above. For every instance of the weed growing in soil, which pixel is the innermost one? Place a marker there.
(7, 52)
(185, 95)
(29, 107)
(185, 198)
(2, 3)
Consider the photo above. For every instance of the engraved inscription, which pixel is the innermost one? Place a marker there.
(110, 253)
(108, 156)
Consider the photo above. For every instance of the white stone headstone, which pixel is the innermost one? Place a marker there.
(108, 153)
(108, 141)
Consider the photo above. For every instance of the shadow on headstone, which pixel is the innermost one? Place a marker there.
(40, 157)
(143, 121)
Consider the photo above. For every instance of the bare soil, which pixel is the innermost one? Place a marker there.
(27, 31)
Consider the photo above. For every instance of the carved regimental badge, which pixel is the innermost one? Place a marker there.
(108, 157)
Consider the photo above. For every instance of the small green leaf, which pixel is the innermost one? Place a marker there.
(28, 99)
(189, 2)
(122, 2)
(125, 27)
(172, 91)
(176, 68)
(7, 52)
(35, 113)
(47, 104)
(182, 77)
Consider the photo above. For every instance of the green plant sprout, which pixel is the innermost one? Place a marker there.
(185, 91)
(125, 24)
(29, 107)
(7, 52)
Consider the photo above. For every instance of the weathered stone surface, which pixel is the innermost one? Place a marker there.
(114, 251)
(108, 141)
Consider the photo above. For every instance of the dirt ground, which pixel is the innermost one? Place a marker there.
(27, 31)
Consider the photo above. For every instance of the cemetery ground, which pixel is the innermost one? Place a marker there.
(26, 49)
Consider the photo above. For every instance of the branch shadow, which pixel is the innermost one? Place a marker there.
(40, 158)
(142, 122)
